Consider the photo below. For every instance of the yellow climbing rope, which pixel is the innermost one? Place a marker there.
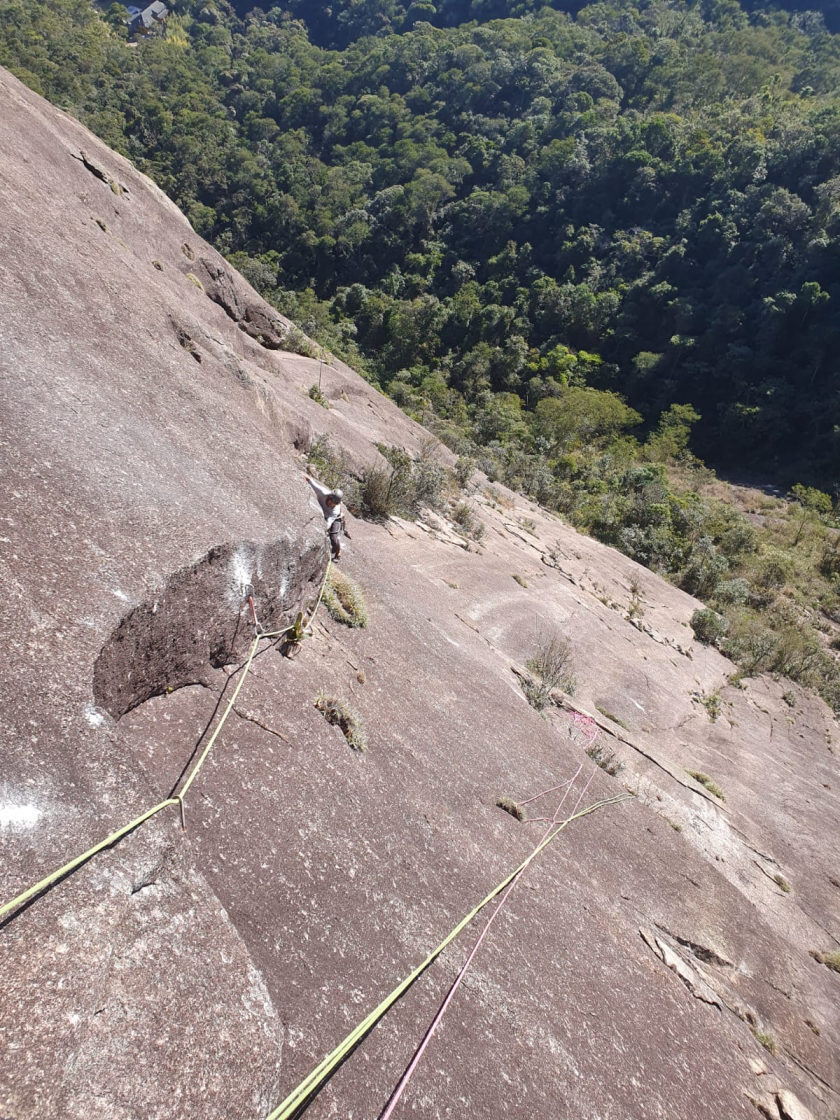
(311, 1084)
(79, 860)
(178, 798)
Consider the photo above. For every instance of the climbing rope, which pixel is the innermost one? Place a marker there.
(300, 1097)
(393, 1100)
(177, 798)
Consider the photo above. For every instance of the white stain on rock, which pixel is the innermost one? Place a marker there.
(19, 816)
(241, 571)
(94, 717)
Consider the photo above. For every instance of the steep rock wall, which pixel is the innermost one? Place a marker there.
(152, 432)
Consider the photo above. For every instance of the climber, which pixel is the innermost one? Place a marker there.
(330, 503)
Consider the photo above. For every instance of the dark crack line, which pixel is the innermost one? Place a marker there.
(811, 1073)
(262, 726)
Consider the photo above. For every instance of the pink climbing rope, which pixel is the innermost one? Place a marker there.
(587, 725)
(393, 1100)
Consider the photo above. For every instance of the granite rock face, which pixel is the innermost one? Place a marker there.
(650, 965)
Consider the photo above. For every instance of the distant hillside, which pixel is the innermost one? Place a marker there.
(642, 199)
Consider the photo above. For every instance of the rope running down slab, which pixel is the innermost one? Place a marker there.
(302, 1095)
(178, 798)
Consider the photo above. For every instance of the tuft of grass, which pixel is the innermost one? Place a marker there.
(615, 719)
(339, 713)
(607, 760)
(782, 882)
(708, 782)
(316, 395)
(510, 806)
(193, 279)
(711, 703)
(676, 827)
(789, 698)
(830, 960)
(522, 582)
(766, 1040)
(344, 600)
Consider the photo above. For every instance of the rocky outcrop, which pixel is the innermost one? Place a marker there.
(151, 458)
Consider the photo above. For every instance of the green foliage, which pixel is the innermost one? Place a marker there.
(406, 485)
(708, 626)
(465, 517)
(609, 715)
(830, 960)
(765, 1039)
(600, 198)
(581, 416)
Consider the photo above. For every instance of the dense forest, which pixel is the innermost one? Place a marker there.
(642, 198)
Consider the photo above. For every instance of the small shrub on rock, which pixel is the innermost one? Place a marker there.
(465, 517)
(552, 668)
(376, 494)
(708, 626)
(830, 960)
(606, 759)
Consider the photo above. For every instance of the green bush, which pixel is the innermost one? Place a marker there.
(376, 493)
(708, 626)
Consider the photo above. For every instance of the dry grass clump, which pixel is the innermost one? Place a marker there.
(609, 715)
(609, 762)
(344, 600)
(510, 806)
(766, 1040)
(830, 960)
(708, 782)
(339, 713)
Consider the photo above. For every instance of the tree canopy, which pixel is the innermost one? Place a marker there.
(498, 196)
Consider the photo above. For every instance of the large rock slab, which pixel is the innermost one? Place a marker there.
(153, 427)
